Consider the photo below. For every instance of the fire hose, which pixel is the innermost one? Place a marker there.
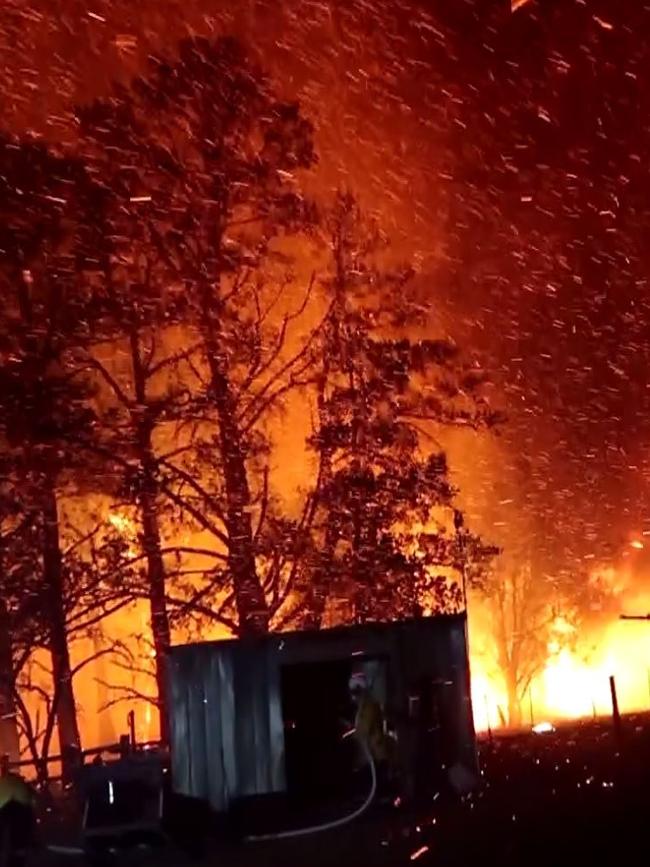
(294, 832)
(336, 823)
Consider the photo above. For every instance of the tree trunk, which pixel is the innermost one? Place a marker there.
(66, 713)
(105, 730)
(151, 544)
(157, 600)
(360, 590)
(9, 738)
(319, 588)
(250, 600)
(9, 744)
(514, 703)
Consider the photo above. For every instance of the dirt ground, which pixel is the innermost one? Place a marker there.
(576, 796)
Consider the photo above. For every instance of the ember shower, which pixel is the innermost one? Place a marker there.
(505, 154)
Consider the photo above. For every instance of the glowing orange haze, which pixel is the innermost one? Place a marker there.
(572, 685)
(568, 687)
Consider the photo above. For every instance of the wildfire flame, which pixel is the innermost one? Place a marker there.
(572, 683)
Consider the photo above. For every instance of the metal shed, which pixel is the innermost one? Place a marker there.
(227, 727)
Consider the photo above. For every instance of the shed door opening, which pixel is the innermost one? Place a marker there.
(321, 763)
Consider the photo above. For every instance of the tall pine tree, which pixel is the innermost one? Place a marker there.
(378, 391)
(201, 157)
(43, 406)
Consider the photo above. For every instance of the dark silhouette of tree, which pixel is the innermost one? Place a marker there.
(45, 200)
(94, 569)
(534, 615)
(530, 604)
(139, 395)
(94, 565)
(379, 395)
(521, 605)
(19, 583)
(149, 394)
(200, 157)
(90, 562)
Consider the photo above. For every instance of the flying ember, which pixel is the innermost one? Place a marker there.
(325, 408)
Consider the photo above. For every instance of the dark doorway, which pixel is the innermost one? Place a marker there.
(319, 758)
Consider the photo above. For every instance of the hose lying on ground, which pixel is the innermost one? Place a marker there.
(65, 850)
(336, 823)
(295, 832)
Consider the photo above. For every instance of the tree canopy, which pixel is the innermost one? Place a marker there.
(171, 290)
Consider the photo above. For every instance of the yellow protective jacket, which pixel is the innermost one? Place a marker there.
(14, 788)
(369, 726)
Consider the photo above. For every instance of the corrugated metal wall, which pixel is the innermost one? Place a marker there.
(226, 722)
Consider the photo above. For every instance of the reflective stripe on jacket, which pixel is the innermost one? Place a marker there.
(370, 727)
(14, 788)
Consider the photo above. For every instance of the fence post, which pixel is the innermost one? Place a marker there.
(124, 746)
(616, 714)
(131, 723)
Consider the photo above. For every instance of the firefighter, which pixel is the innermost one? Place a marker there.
(369, 727)
(17, 819)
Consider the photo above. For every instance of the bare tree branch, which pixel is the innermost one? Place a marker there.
(177, 357)
(119, 392)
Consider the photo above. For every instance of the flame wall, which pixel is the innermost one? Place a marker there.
(573, 683)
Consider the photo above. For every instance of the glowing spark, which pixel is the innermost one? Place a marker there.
(111, 793)
(543, 728)
(562, 626)
(636, 543)
(121, 522)
(419, 852)
(604, 24)
(97, 17)
(517, 4)
(126, 41)
(140, 199)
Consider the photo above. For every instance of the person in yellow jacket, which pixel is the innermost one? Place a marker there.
(369, 728)
(369, 719)
(14, 788)
(17, 819)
